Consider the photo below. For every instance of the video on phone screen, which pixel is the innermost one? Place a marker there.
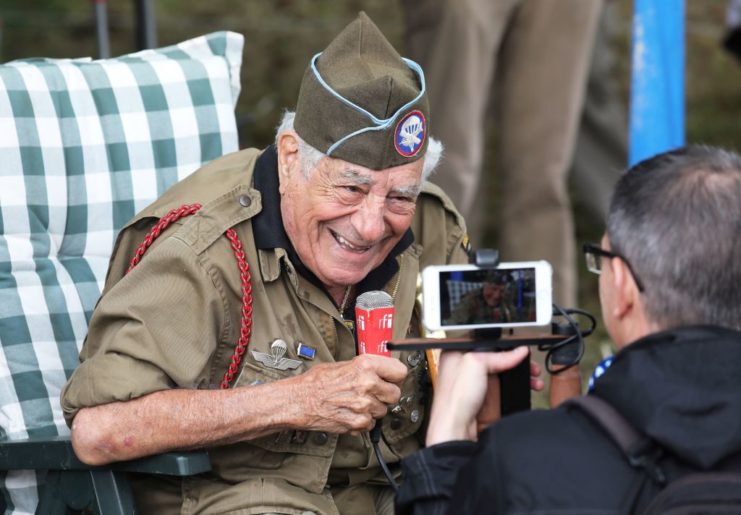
(487, 296)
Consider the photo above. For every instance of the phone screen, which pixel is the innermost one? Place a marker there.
(487, 296)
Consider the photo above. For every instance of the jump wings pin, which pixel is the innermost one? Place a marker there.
(276, 357)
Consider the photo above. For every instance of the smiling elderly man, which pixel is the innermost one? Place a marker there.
(233, 330)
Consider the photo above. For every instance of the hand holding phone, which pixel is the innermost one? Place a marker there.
(465, 384)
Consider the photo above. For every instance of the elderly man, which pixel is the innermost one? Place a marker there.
(233, 330)
(483, 305)
(670, 270)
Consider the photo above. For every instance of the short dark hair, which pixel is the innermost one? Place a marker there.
(677, 218)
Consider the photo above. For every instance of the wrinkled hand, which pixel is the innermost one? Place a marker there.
(462, 386)
(348, 396)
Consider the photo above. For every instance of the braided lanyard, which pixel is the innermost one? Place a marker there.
(244, 275)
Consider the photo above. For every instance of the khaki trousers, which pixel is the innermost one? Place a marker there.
(535, 55)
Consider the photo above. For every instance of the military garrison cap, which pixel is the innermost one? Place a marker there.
(497, 276)
(361, 102)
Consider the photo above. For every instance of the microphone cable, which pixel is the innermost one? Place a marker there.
(375, 438)
(370, 338)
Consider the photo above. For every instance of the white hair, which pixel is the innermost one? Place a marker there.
(310, 156)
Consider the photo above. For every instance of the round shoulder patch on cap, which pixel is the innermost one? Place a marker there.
(410, 133)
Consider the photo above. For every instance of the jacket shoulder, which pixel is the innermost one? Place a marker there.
(206, 184)
(439, 228)
(222, 188)
(433, 197)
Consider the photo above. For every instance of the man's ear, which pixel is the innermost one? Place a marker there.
(625, 288)
(288, 155)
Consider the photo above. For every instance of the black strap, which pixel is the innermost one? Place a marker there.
(612, 422)
(640, 450)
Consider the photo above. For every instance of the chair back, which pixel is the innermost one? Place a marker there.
(84, 145)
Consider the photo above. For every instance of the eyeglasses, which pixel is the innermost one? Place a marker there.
(593, 254)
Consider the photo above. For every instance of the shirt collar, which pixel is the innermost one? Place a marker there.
(269, 233)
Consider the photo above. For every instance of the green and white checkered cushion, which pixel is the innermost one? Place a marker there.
(84, 145)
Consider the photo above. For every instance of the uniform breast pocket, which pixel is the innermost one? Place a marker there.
(254, 374)
(293, 441)
(264, 367)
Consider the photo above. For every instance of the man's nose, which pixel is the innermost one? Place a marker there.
(368, 221)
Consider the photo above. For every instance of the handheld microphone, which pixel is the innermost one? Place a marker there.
(374, 322)
(374, 327)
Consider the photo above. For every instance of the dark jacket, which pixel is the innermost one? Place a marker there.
(681, 387)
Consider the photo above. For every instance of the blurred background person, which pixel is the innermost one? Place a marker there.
(534, 55)
(602, 140)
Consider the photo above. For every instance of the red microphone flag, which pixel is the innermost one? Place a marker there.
(374, 322)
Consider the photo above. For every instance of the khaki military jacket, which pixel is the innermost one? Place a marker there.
(174, 320)
(473, 309)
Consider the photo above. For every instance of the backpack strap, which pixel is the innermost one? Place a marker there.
(703, 492)
(640, 451)
(638, 448)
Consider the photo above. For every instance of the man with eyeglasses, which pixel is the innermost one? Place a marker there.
(670, 290)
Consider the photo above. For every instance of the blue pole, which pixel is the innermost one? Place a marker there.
(657, 85)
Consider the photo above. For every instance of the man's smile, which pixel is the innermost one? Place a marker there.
(345, 244)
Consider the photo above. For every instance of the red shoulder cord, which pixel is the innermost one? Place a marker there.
(244, 275)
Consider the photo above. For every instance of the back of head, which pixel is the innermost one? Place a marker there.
(676, 217)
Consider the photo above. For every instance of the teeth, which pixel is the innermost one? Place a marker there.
(342, 241)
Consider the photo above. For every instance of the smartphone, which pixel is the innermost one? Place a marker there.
(513, 294)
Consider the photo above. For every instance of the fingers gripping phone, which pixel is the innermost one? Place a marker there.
(513, 294)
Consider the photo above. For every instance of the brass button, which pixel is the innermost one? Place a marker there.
(414, 358)
(320, 438)
(245, 200)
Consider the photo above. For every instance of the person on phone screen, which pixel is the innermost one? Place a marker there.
(488, 304)
(670, 270)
